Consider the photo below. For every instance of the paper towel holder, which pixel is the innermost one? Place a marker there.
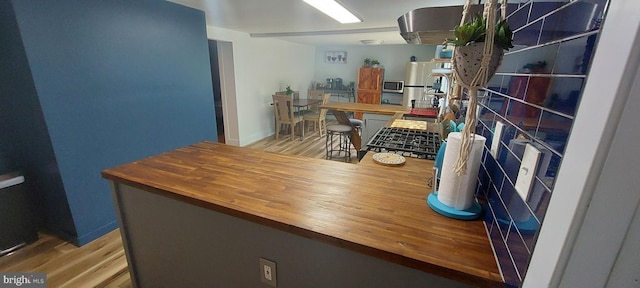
(471, 213)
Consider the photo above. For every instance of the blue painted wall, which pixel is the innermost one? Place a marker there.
(25, 140)
(10, 64)
(116, 81)
(535, 93)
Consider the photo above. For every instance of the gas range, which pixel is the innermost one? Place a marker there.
(406, 142)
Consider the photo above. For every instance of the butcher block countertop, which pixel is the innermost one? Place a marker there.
(369, 208)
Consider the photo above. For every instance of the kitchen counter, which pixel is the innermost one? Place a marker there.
(368, 208)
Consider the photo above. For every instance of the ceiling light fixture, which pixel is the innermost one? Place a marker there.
(371, 42)
(334, 10)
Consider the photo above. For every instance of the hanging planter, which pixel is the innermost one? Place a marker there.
(480, 45)
(468, 60)
(470, 49)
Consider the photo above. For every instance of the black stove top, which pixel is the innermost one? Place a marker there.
(406, 142)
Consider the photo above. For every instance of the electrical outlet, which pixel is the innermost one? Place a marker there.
(495, 140)
(527, 172)
(268, 272)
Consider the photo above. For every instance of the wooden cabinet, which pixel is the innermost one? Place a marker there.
(369, 89)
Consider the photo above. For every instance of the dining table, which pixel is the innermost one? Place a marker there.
(304, 102)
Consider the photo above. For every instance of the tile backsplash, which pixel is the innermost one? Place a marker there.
(535, 94)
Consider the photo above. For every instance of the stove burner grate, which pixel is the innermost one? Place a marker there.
(406, 142)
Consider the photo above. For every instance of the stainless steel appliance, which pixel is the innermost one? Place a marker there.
(393, 86)
(430, 25)
(417, 81)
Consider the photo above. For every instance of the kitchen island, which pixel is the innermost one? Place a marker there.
(202, 216)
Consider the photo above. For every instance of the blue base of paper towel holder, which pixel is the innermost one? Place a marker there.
(442, 209)
(527, 227)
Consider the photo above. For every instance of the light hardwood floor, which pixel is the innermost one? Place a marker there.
(313, 146)
(102, 263)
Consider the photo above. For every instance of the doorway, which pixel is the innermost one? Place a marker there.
(224, 89)
(217, 94)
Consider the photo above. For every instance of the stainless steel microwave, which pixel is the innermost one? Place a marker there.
(393, 86)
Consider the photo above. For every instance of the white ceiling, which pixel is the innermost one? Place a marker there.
(296, 21)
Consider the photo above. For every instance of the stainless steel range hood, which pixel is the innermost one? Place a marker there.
(432, 25)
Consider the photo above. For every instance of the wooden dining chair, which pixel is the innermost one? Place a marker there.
(314, 95)
(295, 95)
(319, 117)
(284, 114)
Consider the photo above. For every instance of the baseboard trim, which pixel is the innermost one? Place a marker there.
(95, 234)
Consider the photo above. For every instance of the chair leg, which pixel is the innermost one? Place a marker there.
(302, 128)
(293, 131)
(278, 130)
(322, 125)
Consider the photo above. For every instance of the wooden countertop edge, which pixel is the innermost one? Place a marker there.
(486, 280)
(365, 108)
(397, 115)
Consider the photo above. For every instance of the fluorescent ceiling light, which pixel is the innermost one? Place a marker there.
(334, 10)
(371, 42)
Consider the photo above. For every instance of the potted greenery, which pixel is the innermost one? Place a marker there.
(288, 90)
(367, 63)
(469, 45)
(375, 63)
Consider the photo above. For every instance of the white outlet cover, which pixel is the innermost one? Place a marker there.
(268, 272)
(527, 172)
(495, 140)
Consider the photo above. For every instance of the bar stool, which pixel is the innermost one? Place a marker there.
(343, 149)
(357, 123)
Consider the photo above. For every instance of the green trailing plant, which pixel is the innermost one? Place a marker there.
(475, 31)
(368, 62)
(288, 90)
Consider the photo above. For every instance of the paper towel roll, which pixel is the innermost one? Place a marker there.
(457, 191)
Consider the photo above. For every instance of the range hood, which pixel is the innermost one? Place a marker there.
(432, 25)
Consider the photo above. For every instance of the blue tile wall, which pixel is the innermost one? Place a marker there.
(535, 94)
